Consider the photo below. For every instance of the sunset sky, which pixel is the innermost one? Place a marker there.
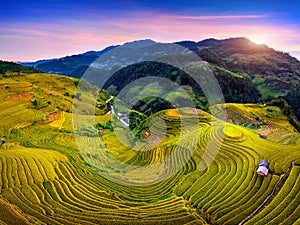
(33, 30)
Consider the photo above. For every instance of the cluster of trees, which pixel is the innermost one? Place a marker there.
(14, 67)
(152, 105)
(289, 110)
(136, 118)
(211, 56)
(237, 89)
(139, 70)
(292, 98)
(108, 126)
(136, 122)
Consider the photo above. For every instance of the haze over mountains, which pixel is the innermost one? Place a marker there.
(69, 64)
(240, 55)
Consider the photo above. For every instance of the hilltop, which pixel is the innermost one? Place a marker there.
(273, 71)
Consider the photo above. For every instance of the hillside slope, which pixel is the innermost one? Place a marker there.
(69, 64)
(47, 179)
(264, 120)
(274, 71)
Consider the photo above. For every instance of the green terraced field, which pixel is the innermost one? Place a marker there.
(266, 120)
(46, 179)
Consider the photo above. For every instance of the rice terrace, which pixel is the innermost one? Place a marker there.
(136, 112)
(46, 179)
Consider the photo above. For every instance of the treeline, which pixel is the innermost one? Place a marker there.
(288, 109)
(292, 99)
(152, 105)
(145, 69)
(236, 89)
(14, 67)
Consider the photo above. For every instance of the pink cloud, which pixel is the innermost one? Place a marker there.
(27, 42)
(214, 17)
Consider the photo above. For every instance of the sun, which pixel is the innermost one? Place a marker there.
(258, 40)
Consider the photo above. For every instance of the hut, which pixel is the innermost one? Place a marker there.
(263, 136)
(263, 168)
(34, 102)
(2, 141)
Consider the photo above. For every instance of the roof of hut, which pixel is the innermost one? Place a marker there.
(263, 163)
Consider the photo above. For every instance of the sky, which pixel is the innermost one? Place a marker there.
(34, 30)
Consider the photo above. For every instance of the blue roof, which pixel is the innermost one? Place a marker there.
(263, 163)
(264, 136)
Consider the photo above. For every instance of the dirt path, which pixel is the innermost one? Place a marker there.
(53, 116)
(268, 129)
(20, 96)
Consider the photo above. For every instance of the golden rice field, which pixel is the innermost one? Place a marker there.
(205, 171)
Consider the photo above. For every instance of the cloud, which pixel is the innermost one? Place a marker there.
(215, 17)
(32, 41)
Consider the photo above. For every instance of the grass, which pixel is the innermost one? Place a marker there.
(266, 92)
(258, 80)
(45, 179)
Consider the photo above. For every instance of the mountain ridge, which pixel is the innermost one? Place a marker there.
(223, 47)
(274, 73)
(59, 65)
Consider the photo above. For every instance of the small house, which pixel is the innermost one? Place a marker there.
(263, 168)
(34, 102)
(263, 136)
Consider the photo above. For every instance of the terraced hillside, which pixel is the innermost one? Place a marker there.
(204, 172)
(264, 120)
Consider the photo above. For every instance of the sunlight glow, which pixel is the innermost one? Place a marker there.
(258, 40)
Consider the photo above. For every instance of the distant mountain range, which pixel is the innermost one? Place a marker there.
(68, 65)
(272, 70)
(247, 72)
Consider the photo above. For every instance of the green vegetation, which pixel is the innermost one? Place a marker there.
(286, 110)
(45, 179)
(273, 73)
(267, 119)
(6, 68)
(276, 73)
(293, 100)
(235, 87)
